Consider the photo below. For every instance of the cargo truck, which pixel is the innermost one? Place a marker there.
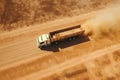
(59, 35)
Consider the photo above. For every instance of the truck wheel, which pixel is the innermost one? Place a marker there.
(39, 46)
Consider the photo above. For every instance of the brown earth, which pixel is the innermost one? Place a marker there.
(92, 57)
(23, 13)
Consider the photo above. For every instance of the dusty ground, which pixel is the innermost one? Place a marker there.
(86, 58)
(23, 13)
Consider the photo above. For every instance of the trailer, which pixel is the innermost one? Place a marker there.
(58, 35)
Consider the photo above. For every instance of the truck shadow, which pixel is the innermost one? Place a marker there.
(66, 43)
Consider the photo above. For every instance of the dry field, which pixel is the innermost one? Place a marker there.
(24, 13)
(102, 67)
(95, 56)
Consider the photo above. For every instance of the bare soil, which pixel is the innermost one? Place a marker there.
(92, 57)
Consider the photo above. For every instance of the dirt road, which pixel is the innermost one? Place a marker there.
(56, 69)
(17, 44)
(19, 55)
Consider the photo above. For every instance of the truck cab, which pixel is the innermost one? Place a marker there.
(43, 40)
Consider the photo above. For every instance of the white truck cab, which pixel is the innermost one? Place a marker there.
(43, 40)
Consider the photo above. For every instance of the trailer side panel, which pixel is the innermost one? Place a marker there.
(66, 33)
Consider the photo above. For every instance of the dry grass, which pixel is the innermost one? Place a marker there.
(27, 68)
(100, 68)
(18, 13)
(78, 72)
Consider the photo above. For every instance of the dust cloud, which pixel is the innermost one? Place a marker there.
(105, 24)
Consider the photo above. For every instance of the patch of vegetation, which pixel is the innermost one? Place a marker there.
(19, 13)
